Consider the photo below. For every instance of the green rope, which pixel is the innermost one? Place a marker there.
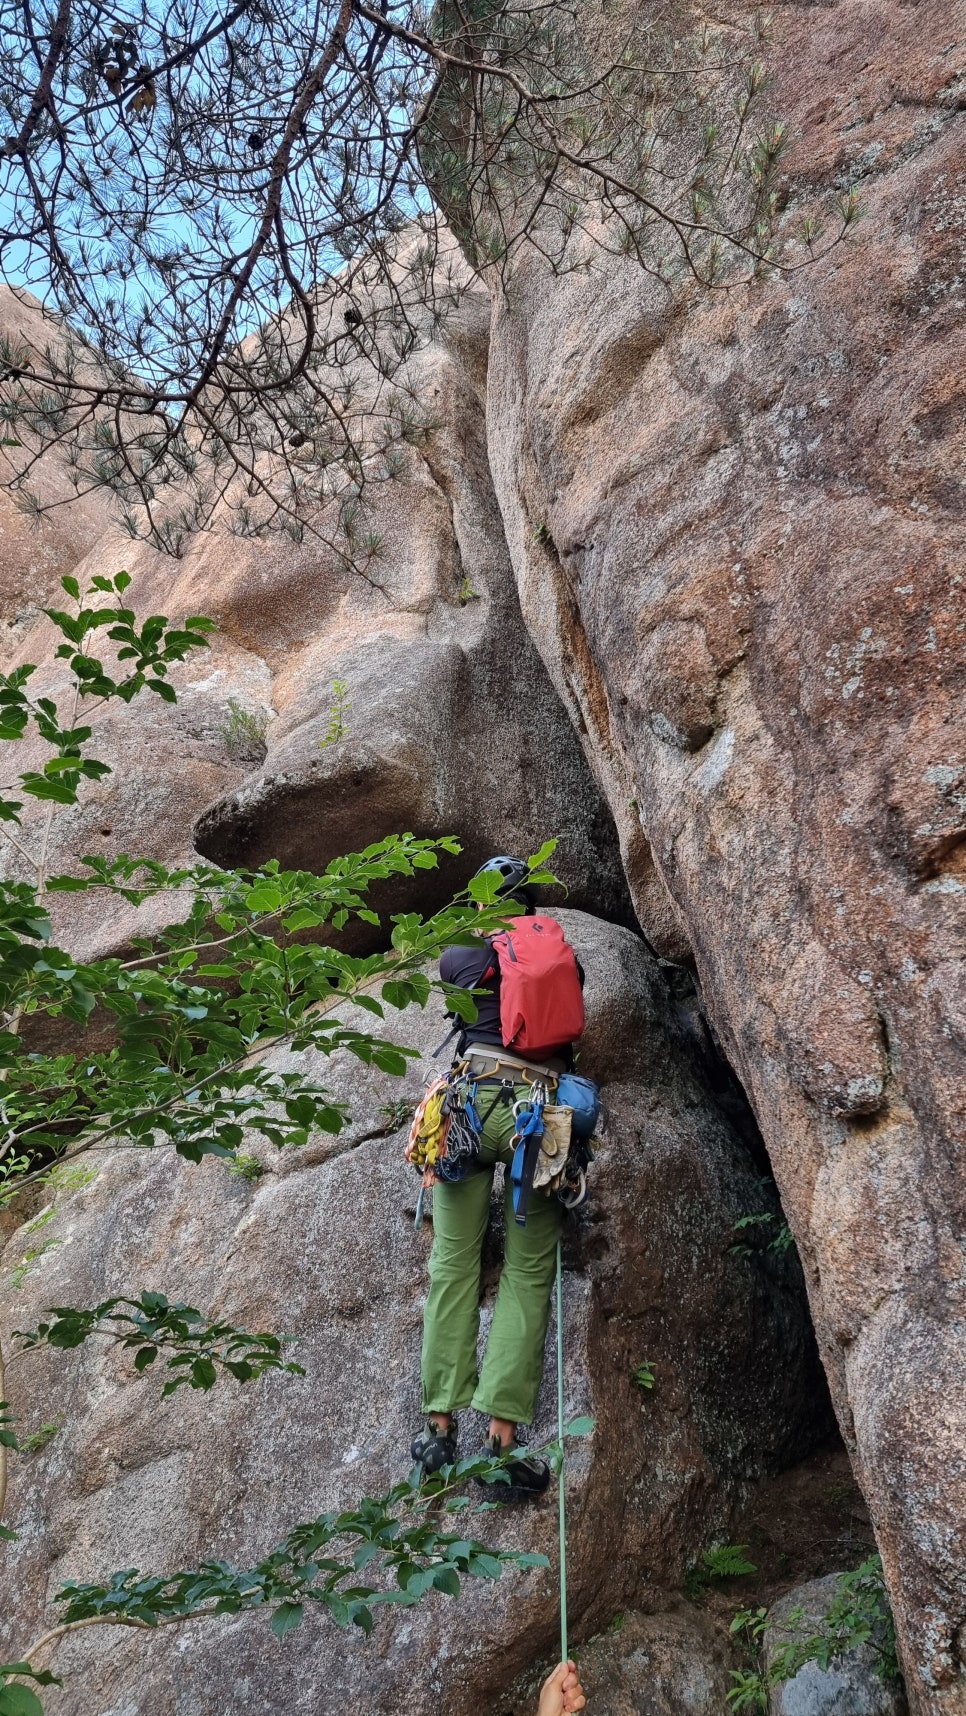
(560, 1438)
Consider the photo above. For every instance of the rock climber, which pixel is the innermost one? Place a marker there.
(507, 1385)
(561, 1692)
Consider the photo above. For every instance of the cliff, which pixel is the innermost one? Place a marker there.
(677, 579)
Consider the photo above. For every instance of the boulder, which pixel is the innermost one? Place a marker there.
(322, 1245)
(848, 1687)
(673, 1664)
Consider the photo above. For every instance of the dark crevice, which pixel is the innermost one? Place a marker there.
(729, 1092)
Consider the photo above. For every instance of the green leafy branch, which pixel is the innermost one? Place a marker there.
(184, 1064)
(150, 650)
(151, 1325)
(390, 1550)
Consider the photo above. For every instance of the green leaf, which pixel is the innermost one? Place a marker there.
(447, 1579)
(302, 918)
(485, 1567)
(580, 1427)
(365, 1553)
(286, 1618)
(546, 851)
(18, 1700)
(41, 786)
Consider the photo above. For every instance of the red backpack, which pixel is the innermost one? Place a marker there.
(541, 1001)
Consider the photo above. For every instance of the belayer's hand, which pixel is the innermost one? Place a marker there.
(561, 1692)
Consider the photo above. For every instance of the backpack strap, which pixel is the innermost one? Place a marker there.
(457, 1028)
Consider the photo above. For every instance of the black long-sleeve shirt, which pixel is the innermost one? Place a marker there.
(476, 968)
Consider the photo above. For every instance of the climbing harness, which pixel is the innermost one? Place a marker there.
(487, 1061)
(551, 1144)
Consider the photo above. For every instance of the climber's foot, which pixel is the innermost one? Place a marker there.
(528, 1475)
(435, 1447)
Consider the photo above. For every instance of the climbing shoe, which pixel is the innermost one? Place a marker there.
(528, 1475)
(434, 1448)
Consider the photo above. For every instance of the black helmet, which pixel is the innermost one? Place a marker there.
(514, 872)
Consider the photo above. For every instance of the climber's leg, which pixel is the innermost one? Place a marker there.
(513, 1366)
(451, 1322)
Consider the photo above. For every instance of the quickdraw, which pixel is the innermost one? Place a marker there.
(445, 1133)
(463, 1137)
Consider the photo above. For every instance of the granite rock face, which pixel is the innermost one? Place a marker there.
(36, 551)
(737, 526)
(323, 1245)
(656, 1665)
(451, 725)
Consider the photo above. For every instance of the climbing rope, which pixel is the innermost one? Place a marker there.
(560, 1439)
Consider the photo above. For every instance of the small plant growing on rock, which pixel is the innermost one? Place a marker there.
(728, 1561)
(38, 1439)
(779, 1242)
(338, 729)
(246, 1167)
(396, 1113)
(465, 592)
(721, 1561)
(29, 1262)
(643, 1374)
(243, 732)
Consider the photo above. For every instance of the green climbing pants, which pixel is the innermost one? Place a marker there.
(509, 1382)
